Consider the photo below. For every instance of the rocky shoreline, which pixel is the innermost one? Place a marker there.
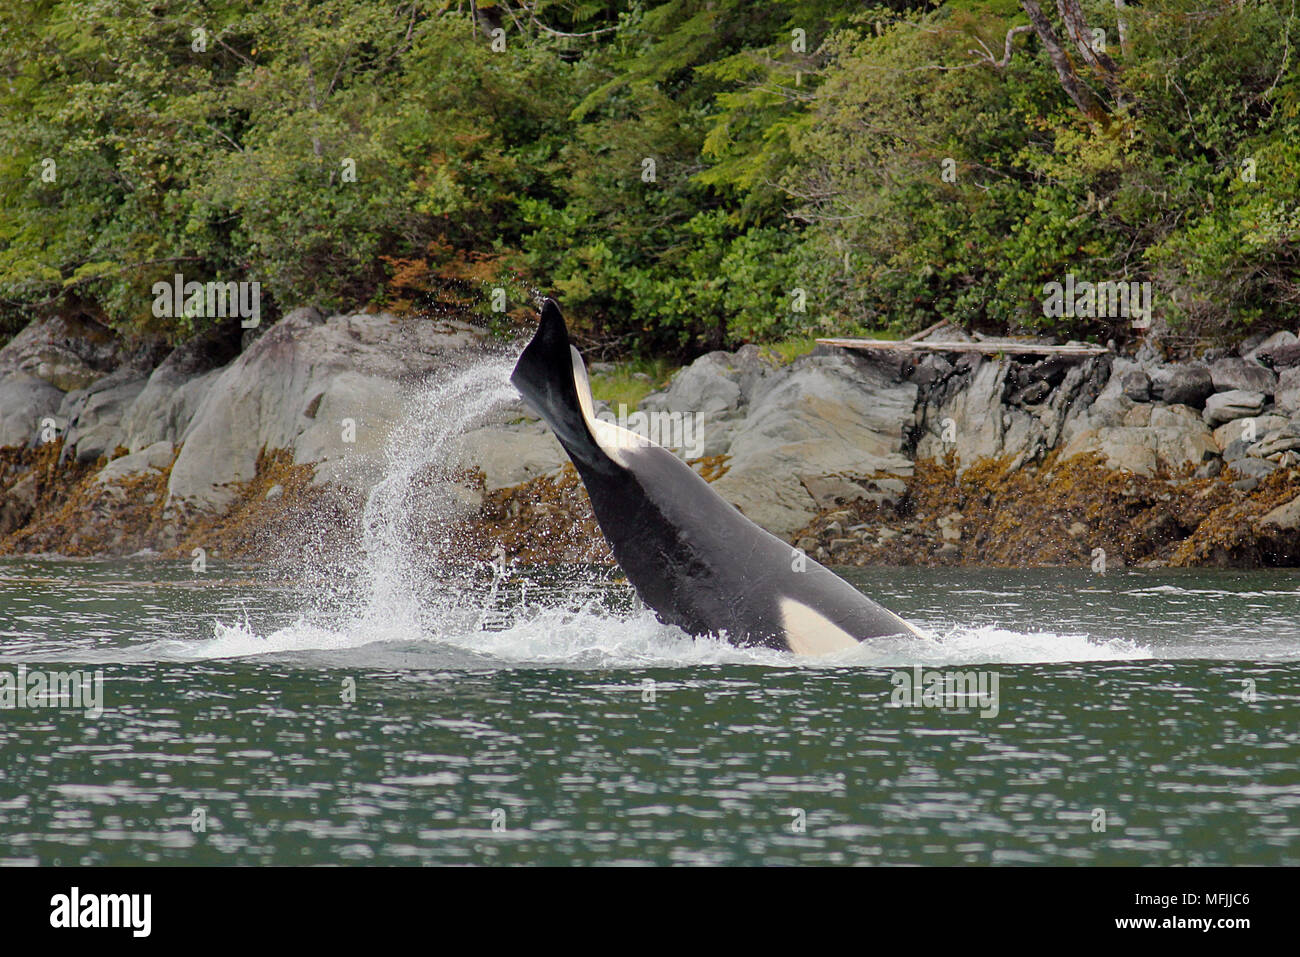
(267, 446)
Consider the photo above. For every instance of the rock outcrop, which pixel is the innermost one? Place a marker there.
(326, 389)
(716, 392)
(68, 352)
(823, 415)
(93, 415)
(1185, 462)
(164, 408)
(509, 454)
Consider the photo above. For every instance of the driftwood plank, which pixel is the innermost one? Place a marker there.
(984, 348)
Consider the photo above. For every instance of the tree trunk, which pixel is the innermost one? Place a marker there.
(1074, 87)
(1123, 27)
(1077, 27)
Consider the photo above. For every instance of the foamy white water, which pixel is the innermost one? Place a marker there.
(560, 637)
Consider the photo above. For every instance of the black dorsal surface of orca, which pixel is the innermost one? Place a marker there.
(690, 554)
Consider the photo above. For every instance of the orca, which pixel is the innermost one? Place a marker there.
(690, 555)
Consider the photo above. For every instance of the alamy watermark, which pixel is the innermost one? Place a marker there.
(208, 300)
(1098, 300)
(683, 431)
(52, 689)
(133, 912)
(948, 690)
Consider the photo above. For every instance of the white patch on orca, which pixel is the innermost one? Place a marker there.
(809, 632)
(612, 439)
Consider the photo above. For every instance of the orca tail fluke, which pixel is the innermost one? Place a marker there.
(545, 376)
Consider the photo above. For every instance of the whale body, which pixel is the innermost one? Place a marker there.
(689, 553)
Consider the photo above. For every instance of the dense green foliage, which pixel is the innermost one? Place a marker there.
(684, 174)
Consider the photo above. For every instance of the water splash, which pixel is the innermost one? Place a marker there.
(411, 524)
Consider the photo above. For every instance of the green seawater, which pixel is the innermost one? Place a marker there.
(1142, 717)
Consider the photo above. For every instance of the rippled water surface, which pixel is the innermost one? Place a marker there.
(399, 704)
(1141, 717)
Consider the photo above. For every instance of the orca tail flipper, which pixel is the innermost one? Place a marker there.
(547, 376)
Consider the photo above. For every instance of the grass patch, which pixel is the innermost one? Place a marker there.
(787, 350)
(631, 381)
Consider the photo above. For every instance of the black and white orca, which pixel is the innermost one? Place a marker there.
(690, 554)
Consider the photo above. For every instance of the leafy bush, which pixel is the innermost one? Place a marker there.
(684, 174)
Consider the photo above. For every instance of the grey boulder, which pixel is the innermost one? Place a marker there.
(1287, 396)
(821, 415)
(697, 414)
(508, 455)
(1242, 375)
(94, 414)
(1235, 404)
(157, 456)
(1276, 442)
(1186, 385)
(1248, 430)
(1278, 340)
(1253, 468)
(165, 407)
(25, 402)
(1171, 437)
(1285, 517)
(1136, 384)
